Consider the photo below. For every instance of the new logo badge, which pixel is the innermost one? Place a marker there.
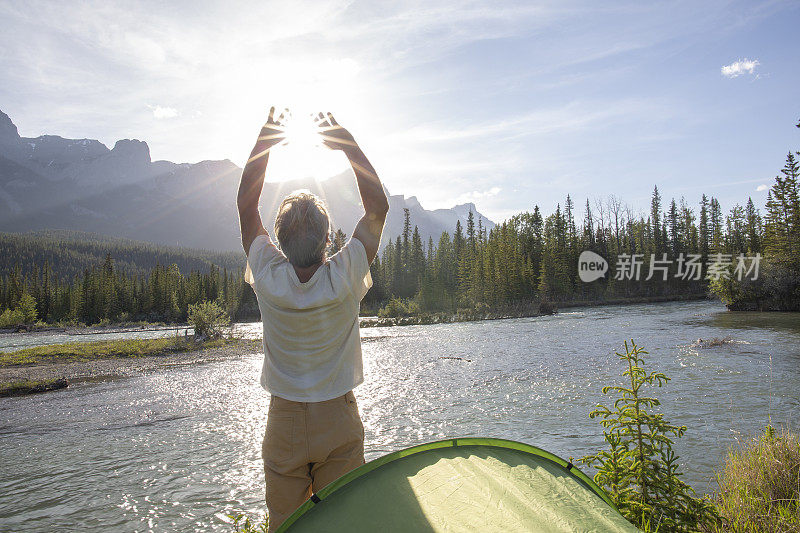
(591, 266)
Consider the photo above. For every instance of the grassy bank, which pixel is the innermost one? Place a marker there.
(759, 487)
(112, 349)
(46, 368)
(20, 388)
(63, 325)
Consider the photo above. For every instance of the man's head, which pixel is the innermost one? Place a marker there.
(302, 227)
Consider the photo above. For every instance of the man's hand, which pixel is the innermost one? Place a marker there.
(369, 228)
(274, 130)
(273, 133)
(333, 135)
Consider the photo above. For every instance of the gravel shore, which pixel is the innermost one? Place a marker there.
(101, 369)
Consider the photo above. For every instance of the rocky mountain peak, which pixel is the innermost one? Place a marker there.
(8, 131)
(132, 149)
(413, 202)
(464, 209)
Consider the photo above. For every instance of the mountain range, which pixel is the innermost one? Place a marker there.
(49, 182)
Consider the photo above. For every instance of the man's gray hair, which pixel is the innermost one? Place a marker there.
(302, 227)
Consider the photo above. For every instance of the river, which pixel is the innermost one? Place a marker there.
(175, 450)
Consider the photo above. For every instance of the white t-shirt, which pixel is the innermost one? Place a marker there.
(312, 345)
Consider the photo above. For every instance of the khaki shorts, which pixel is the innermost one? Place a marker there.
(306, 446)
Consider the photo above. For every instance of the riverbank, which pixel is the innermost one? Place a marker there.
(48, 329)
(636, 300)
(56, 366)
(521, 312)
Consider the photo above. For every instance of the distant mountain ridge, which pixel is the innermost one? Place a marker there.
(49, 182)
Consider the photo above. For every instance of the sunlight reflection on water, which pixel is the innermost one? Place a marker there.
(179, 449)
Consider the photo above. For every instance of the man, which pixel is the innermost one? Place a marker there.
(309, 305)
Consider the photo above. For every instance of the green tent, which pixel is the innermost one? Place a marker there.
(471, 484)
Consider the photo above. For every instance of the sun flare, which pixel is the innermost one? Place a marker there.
(301, 131)
(302, 155)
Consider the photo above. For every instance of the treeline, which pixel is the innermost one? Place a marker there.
(531, 258)
(69, 253)
(778, 287)
(103, 294)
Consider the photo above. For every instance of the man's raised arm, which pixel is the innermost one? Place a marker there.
(376, 205)
(253, 179)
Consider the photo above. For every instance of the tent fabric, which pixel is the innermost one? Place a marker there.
(454, 485)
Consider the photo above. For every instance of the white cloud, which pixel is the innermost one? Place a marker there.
(569, 118)
(163, 112)
(762, 187)
(477, 195)
(737, 68)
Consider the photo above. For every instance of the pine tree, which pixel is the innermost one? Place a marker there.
(537, 229)
(690, 234)
(417, 260)
(673, 222)
(471, 240)
(715, 226)
(736, 234)
(398, 269)
(570, 220)
(640, 470)
(655, 221)
(338, 242)
(753, 228)
(782, 224)
(704, 234)
(458, 240)
(588, 228)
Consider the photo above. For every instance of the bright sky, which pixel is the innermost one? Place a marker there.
(503, 104)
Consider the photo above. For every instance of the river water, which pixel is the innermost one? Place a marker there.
(177, 449)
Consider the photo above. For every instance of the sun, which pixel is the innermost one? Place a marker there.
(302, 132)
(303, 156)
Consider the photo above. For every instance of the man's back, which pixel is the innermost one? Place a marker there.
(312, 348)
